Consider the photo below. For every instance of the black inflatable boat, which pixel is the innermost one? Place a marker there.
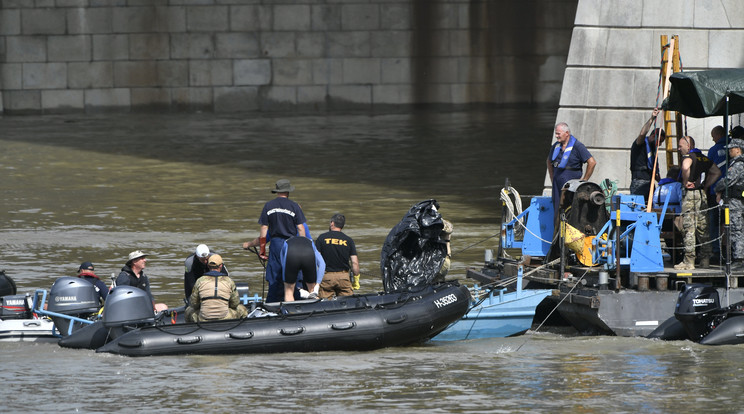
(359, 322)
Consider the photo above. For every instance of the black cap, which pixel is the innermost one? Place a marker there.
(737, 132)
(86, 266)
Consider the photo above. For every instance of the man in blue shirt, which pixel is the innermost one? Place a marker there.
(717, 154)
(565, 161)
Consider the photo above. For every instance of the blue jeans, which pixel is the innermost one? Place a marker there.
(274, 271)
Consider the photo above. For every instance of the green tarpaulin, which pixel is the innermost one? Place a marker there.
(702, 94)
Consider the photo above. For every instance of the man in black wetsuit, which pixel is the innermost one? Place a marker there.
(195, 266)
(299, 254)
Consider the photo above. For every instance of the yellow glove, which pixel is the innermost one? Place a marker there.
(355, 283)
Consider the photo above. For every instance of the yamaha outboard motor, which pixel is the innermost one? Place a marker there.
(696, 308)
(72, 296)
(128, 306)
(12, 306)
(7, 285)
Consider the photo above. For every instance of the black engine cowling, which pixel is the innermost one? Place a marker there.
(697, 306)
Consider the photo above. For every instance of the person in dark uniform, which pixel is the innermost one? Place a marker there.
(195, 266)
(281, 218)
(300, 255)
(642, 155)
(734, 180)
(133, 274)
(86, 271)
(340, 255)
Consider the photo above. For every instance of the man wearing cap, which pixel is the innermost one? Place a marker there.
(734, 180)
(196, 266)
(133, 274)
(85, 271)
(340, 255)
(281, 218)
(642, 157)
(215, 296)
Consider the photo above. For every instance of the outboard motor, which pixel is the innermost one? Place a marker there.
(7, 285)
(128, 306)
(12, 306)
(696, 309)
(72, 296)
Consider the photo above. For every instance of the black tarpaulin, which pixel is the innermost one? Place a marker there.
(413, 252)
(702, 94)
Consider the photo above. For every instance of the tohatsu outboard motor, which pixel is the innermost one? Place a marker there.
(72, 296)
(127, 306)
(697, 308)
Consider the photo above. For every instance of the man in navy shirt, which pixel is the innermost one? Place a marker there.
(717, 154)
(281, 218)
(565, 161)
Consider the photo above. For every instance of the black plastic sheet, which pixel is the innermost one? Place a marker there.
(703, 93)
(413, 252)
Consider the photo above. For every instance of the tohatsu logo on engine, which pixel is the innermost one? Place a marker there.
(703, 301)
(65, 299)
(446, 300)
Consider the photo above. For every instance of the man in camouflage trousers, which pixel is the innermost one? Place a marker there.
(734, 180)
(693, 165)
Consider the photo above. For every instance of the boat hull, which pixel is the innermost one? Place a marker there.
(27, 330)
(498, 316)
(356, 323)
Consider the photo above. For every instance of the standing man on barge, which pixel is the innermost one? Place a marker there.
(565, 161)
(693, 164)
(642, 157)
(734, 180)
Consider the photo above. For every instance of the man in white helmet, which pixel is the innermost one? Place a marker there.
(196, 266)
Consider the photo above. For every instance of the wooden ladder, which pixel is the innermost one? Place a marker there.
(671, 118)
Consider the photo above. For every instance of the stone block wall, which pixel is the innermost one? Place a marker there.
(612, 75)
(245, 55)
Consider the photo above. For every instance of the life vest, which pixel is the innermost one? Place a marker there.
(215, 298)
(671, 189)
(566, 153)
(88, 273)
(700, 164)
(649, 155)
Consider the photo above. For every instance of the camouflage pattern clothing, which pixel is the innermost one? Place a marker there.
(695, 223)
(734, 179)
(214, 297)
